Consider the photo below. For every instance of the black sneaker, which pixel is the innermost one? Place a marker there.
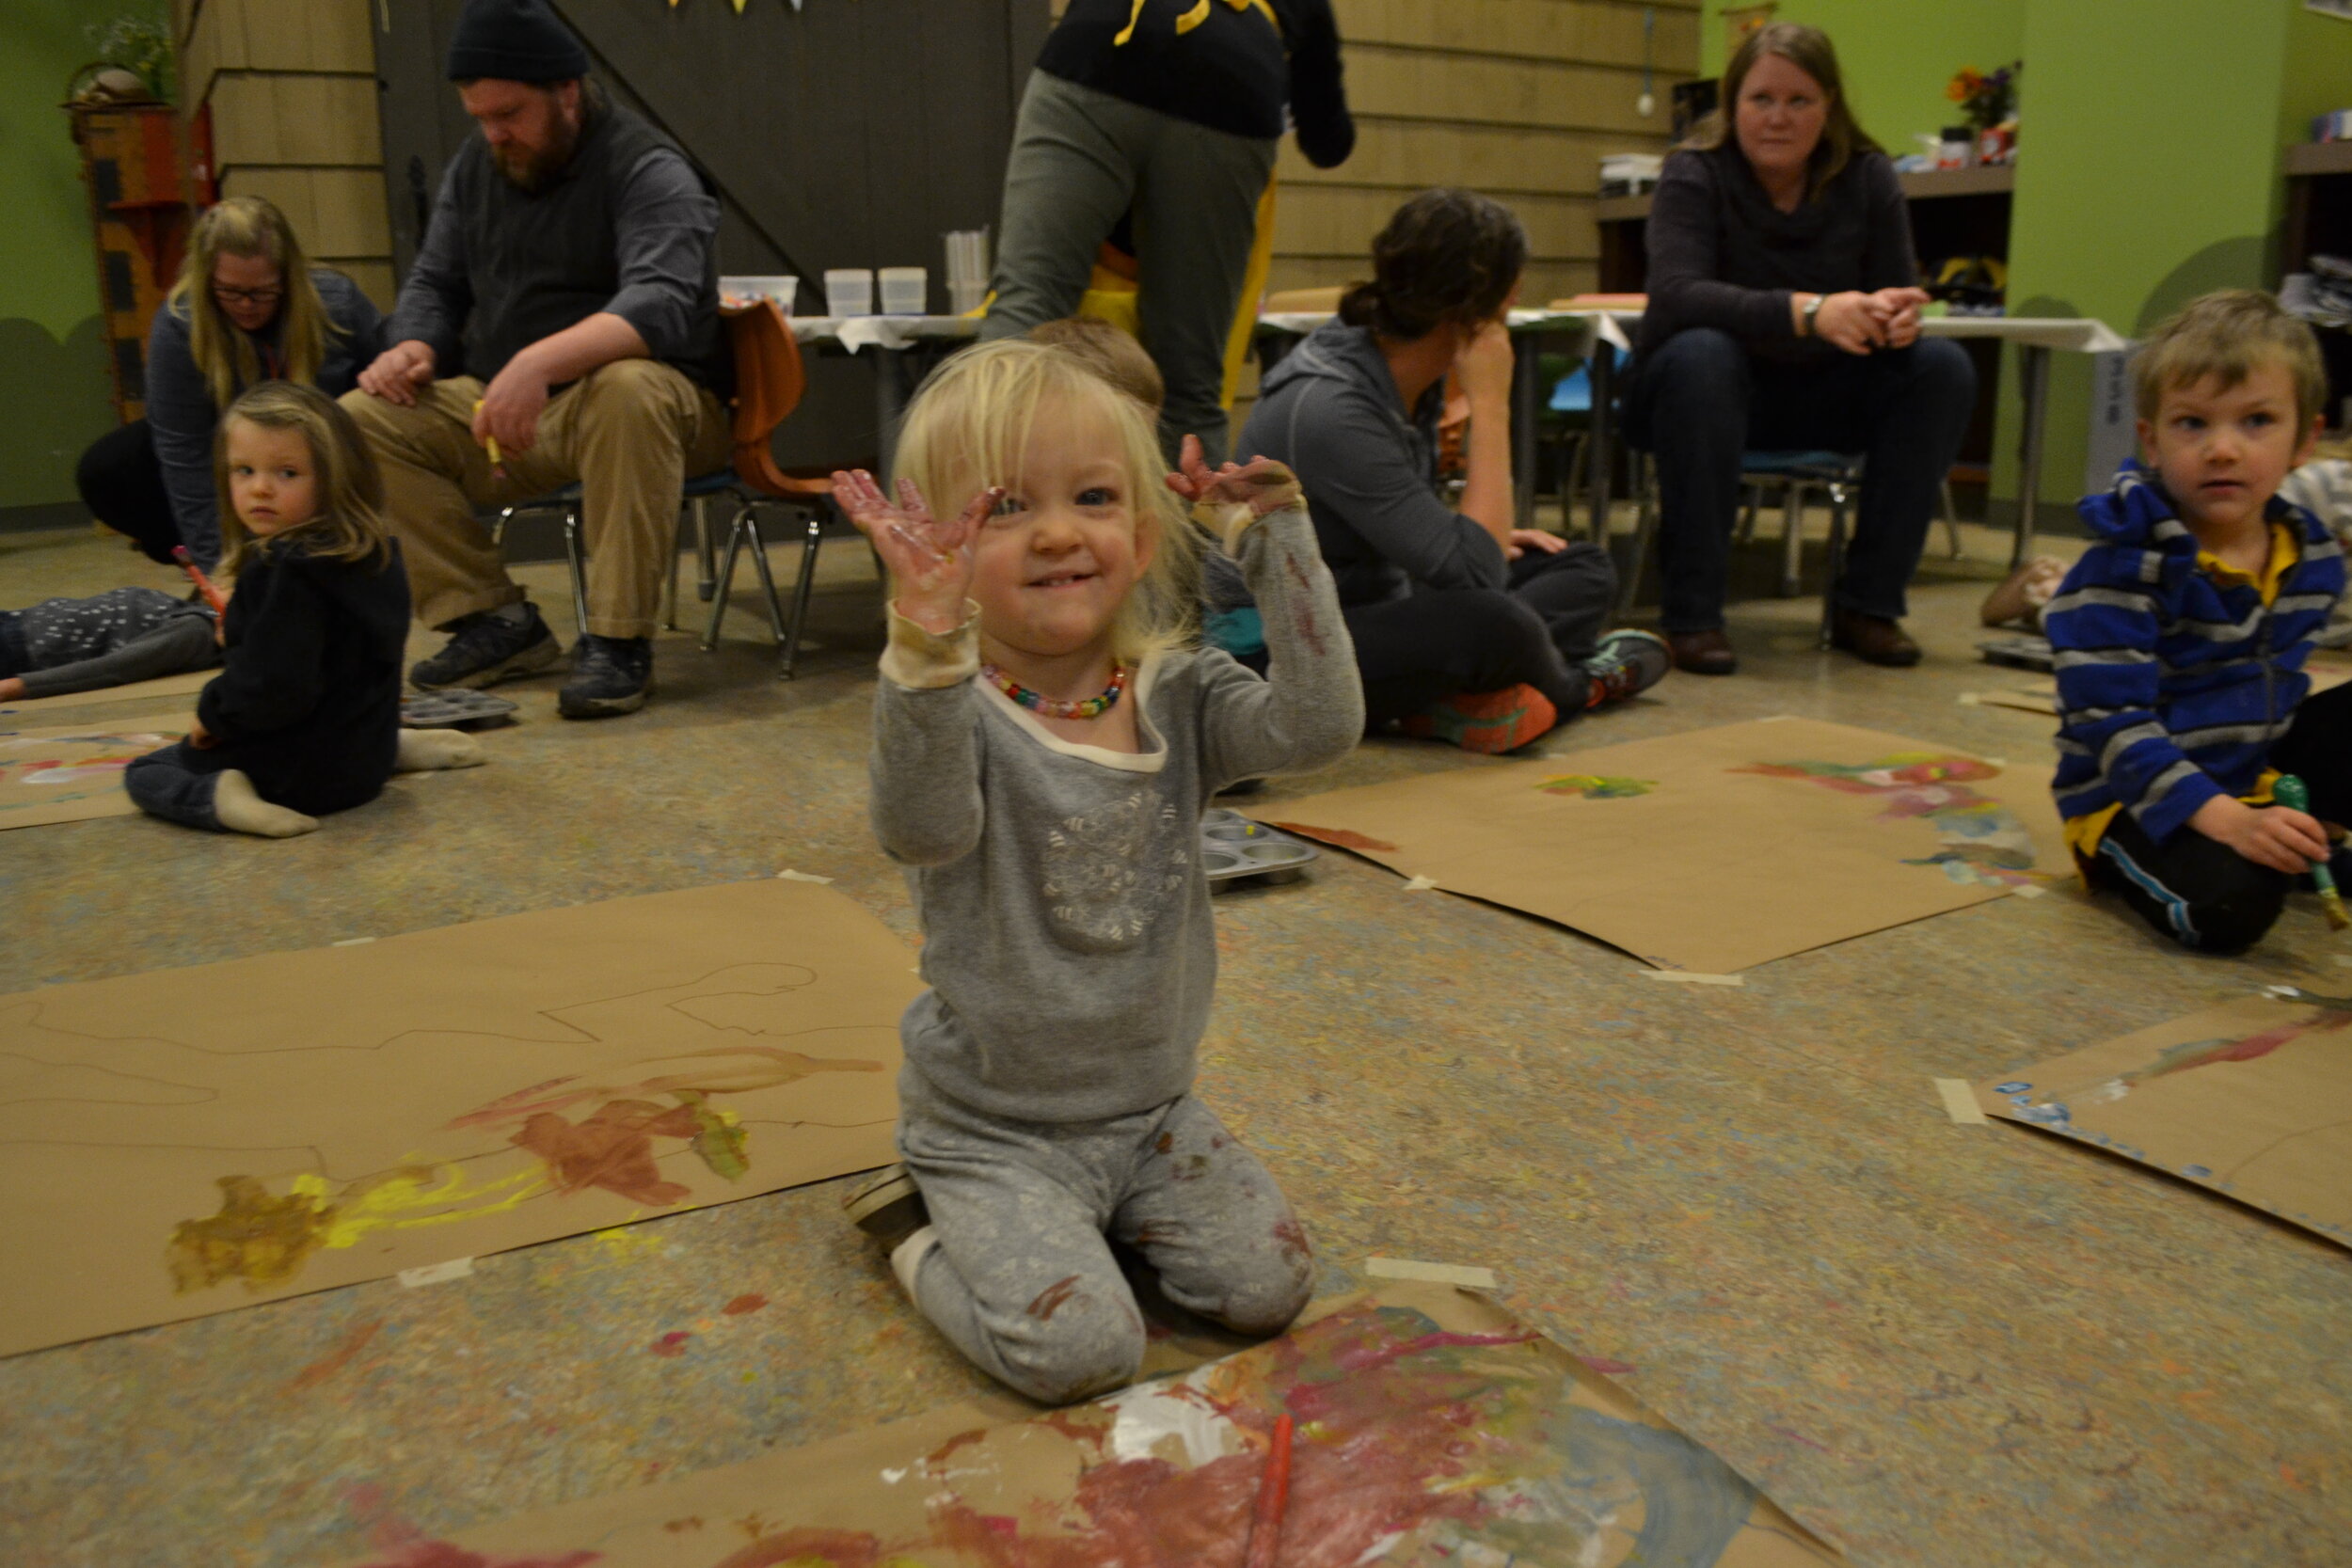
(485, 649)
(1625, 664)
(887, 1206)
(611, 675)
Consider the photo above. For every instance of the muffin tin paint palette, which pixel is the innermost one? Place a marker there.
(1235, 851)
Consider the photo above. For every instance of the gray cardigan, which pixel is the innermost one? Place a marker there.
(182, 414)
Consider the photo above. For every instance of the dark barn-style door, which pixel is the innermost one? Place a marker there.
(844, 133)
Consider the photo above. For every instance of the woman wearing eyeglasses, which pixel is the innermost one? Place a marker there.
(246, 308)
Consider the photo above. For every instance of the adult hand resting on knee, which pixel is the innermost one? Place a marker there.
(399, 371)
(512, 403)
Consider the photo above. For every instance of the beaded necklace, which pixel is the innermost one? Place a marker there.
(1053, 707)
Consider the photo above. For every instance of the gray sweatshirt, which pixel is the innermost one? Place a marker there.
(111, 639)
(1068, 941)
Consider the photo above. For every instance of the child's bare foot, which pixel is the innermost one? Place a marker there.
(2022, 596)
(422, 751)
(237, 808)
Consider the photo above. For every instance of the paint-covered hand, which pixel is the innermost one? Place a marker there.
(2276, 836)
(1262, 484)
(930, 561)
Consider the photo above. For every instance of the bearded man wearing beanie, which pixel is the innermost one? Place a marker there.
(564, 306)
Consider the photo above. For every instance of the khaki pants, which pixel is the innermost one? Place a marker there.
(628, 432)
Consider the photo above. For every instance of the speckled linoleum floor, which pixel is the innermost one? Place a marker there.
(1932, 1343)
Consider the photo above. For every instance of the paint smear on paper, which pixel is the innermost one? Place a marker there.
(672, 1343)
(1344, 838)
(264, 1238)
(1985, 844)
(334, 1361)
(742, 1304)
(1595, 786)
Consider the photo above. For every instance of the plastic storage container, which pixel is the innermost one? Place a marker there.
(850, 292)
(747, 291)
(905, 291)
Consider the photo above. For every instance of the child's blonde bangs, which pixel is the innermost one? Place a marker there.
(969, 428)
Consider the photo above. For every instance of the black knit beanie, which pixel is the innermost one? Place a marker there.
(513, 40)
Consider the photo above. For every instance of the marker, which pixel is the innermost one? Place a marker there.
(1273, 1496)
(196, 575)
(490, 443)
(2290, 793)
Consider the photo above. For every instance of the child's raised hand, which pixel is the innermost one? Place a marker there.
(1262, 484)
(930, 561)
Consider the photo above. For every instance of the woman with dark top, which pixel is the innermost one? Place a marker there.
(1166, 113)
(1467, 627)
(1784, 316)
(245, 310)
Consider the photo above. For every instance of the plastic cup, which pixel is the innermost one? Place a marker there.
(905, 291)
(849, 292)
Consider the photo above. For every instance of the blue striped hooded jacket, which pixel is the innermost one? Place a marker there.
(2171, 686)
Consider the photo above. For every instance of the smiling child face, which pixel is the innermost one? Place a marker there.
(1061, 556)
(2223, 452)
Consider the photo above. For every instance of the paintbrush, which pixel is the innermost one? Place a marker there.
(196, 575)
(2292, 793)
(1273, 1496)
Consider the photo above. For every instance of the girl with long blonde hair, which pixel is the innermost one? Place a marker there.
(1045, 739)
(304, 718)
(248, 307)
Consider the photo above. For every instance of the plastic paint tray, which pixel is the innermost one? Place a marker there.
(456, 708)
(1234, 850)
(2021, 651)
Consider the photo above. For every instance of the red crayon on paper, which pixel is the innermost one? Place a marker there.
(196, 575)
(1273, 1496)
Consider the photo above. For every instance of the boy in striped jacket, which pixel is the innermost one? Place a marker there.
(2181, 636)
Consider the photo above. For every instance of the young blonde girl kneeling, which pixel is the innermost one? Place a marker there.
(304, 718)
(1044, 745)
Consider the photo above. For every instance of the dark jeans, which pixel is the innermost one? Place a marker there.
(1538, 631)
(123, 484)
(161, 784)
(1700, 401)
(2201, 892)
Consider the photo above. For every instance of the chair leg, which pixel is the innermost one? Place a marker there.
(1837, 562)
(766, 575)
(693, 509)
(704, 557)
(578, 561)
(725, 583)
(1793, 540)
(1748, 515)
(1951, 522)
(1644, 533)
(811, 542)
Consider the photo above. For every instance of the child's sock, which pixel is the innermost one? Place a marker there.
(1486, 722)
(907, 1257)
(237, 808)
(422, 751)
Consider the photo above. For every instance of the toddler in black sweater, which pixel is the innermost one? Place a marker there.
(304, 718)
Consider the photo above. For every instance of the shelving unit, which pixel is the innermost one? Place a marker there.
(2319, 223)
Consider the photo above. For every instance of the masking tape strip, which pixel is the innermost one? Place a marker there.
(1435, 1274)
(1960, 1102)
(433, 1274)
(803, 876)
(1689, 980)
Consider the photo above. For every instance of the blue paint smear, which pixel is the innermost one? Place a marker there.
(1693, 1503)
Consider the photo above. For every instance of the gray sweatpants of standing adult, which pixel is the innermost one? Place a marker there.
(1023, 1281)
(1080, 160)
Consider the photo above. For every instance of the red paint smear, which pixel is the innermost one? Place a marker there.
(612, 1149)
(1798, 1438)
(336, 1360)
(448, 1554)
(1053, 1298)
(672, 1343)
(744, 1303)
(834, 1549)
(2254, 1047)
(1343, 838)
(1604, 1364)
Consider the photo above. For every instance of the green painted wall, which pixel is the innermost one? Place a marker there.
(53, 366)
(1897, 55)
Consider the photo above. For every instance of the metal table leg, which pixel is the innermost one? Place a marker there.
(2033, 372)
(1603, 438)
(1527, 373)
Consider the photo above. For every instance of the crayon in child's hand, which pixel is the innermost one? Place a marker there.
(196, 575)
(2292, 793)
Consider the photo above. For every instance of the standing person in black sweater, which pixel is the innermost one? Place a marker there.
(1169, 113)
(305, 716)
(1784, 315)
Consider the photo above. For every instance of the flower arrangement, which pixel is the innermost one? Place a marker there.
(140, 45)
(1987, 101)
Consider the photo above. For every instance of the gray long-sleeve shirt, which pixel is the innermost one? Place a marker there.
(110, 639)
(1068, 940)
(664, 226)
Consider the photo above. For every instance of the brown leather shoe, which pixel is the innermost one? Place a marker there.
(1873, 638)
(1703, 653)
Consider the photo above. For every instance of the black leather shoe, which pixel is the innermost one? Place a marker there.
(1703, 653)
(1873, 638)
(611, 677)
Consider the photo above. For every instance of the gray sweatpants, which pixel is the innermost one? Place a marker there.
(1023, 1281)
(1080, 160)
